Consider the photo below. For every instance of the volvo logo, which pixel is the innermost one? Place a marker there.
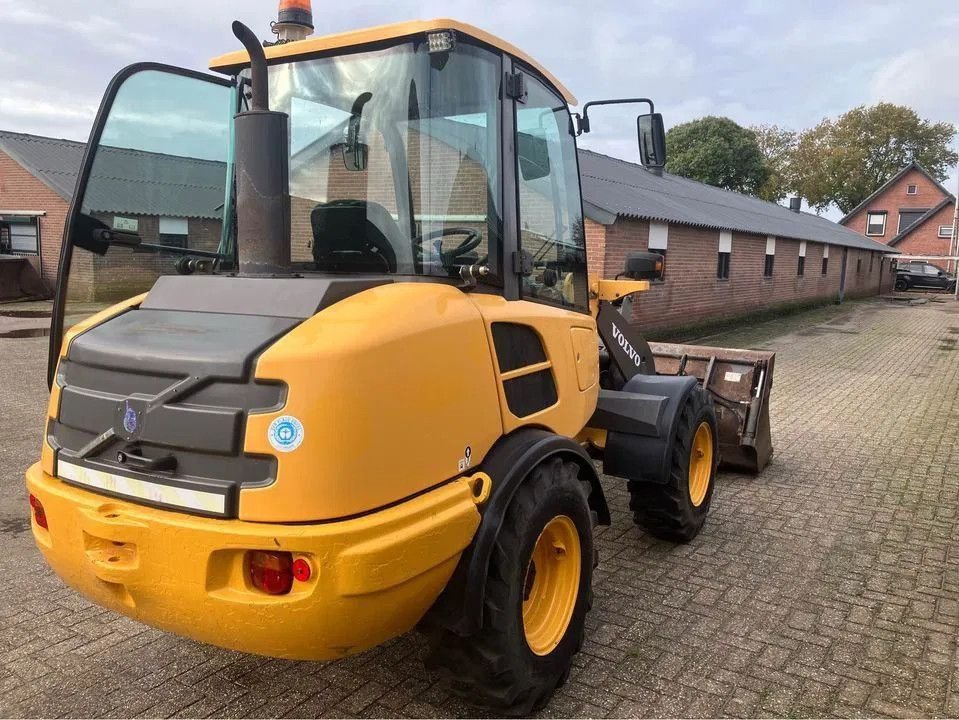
(626, 346)
(130, 419)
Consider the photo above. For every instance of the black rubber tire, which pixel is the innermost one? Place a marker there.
(666, 510)
(495, 668)
(901, 284)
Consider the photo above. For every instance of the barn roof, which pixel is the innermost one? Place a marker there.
(617, 188)
(178, 186)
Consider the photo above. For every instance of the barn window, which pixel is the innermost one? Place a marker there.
(174, 231)
(945, 231)
(725, 252)
(770, 256)
(825, 259)
(911, 190)
(801, 267)
(658, 240)
(19, 235)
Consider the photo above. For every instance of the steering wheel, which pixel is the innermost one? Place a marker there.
(471, 241)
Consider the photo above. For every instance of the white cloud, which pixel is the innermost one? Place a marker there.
(922, 78)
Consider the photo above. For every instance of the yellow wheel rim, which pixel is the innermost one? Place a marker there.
(700, 464)
(551, 585)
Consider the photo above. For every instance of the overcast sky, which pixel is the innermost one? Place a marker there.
(754, 61)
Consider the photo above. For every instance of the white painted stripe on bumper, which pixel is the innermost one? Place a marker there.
(143, 490)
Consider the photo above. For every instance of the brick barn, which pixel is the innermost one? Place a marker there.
(911, 212)
(726, 254)
(37, 179)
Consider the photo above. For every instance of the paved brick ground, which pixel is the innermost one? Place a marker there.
(828, 586)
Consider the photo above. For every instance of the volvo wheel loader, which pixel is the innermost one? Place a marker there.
(352, 375)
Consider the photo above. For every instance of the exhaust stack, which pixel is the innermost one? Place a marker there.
(262, 173)
(294, 20)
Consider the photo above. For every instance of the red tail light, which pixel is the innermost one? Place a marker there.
(39, 516)
(270, 571)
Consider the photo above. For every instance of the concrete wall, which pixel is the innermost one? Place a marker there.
(691, 293)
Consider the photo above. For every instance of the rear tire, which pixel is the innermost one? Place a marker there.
(901, 285)
(533, 616)
(676, 510)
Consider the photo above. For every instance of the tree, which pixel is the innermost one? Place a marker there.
(777, 146)
(716, 151)
(845, 160)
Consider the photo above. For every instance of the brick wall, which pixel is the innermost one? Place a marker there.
(691, 293)
(122, 272)
(19, 190)
(924, 240)
(893, 199)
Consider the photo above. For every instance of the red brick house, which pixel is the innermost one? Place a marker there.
(912, 212)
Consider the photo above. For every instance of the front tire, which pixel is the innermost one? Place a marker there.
(676, 510)
(901, 284)
(538, 591)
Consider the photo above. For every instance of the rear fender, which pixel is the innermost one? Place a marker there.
(460, 607)
(641, 421)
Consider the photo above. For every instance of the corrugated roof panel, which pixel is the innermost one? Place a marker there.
(127, 181)
(618, 187)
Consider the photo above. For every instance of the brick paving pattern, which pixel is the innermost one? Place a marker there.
(827, 586)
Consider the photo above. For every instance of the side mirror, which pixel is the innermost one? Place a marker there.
(356, 154)
(356, 157)
(533, 153)
(652, 140)
(643, 266)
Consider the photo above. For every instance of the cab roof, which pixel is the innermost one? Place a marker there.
(236, 60)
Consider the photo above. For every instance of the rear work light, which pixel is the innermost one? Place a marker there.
(271, 571)
(39, 516)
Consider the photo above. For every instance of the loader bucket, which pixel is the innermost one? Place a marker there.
(739, 381)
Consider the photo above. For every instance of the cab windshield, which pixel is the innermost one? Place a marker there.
(393, 159)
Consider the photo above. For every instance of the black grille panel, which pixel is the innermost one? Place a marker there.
(193, 411)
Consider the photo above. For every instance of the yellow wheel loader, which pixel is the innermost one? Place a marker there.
(352, 376)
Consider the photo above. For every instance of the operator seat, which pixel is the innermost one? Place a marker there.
(354, 236)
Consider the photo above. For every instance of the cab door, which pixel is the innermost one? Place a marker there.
(155, 186)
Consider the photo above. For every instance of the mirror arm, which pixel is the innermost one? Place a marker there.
(583, 120)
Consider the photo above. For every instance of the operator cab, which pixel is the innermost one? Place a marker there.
(421, 151)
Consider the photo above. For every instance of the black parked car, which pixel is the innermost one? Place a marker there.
(924, 276)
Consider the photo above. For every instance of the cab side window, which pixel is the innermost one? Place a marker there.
(551, 229)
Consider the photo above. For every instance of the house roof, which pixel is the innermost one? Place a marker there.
(178, 186)
(947, 201)
(613, 187)
(911, 166)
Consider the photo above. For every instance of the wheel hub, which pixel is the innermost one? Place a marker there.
(551, 585)
(700, 464)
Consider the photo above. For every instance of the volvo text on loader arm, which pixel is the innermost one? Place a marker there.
(351, 373)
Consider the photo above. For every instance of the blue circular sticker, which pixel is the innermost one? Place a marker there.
(285, 433)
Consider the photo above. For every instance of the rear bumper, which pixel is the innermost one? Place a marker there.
(373, 577)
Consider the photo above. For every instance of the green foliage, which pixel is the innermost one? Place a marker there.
(845, 160)
(717, 151)
(777, 146)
